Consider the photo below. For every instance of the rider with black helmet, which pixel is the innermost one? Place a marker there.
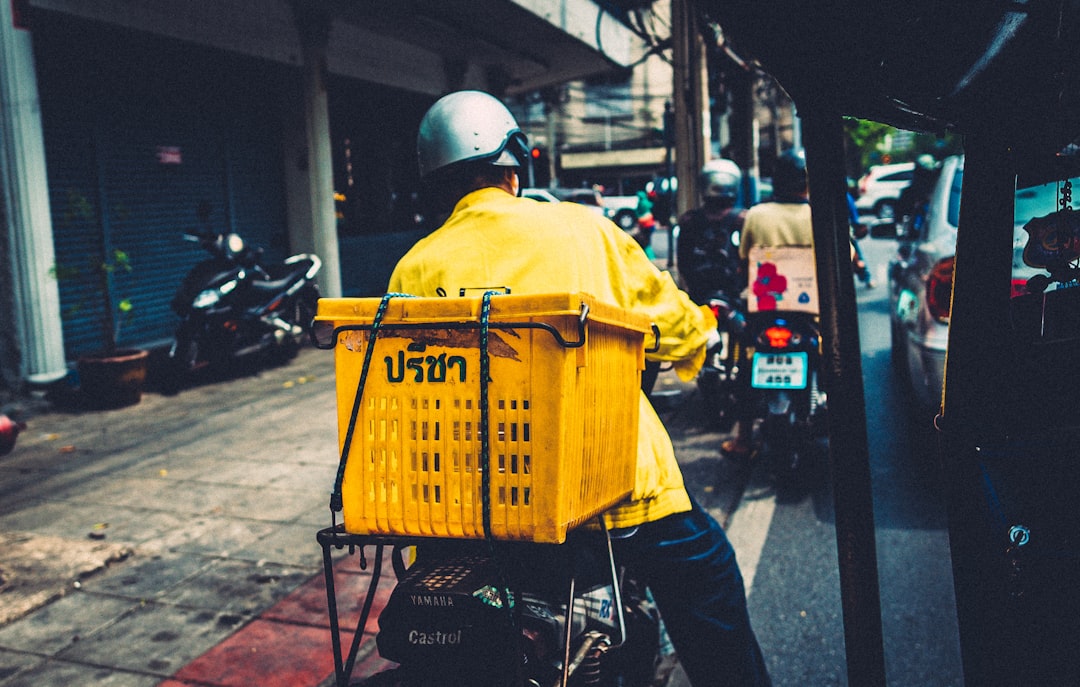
(785, 220)
(707, 258)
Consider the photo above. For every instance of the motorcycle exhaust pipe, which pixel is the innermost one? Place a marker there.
(293, 330)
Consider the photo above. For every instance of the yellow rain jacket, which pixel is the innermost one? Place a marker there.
(495, 240)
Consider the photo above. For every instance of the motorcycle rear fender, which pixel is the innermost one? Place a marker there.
(779, 402)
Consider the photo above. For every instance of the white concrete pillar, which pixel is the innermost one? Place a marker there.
(26, 214)
(309, 175)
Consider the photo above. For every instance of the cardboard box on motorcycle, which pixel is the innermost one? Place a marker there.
(782, 278)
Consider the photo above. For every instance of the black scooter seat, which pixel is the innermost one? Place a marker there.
(283, 282)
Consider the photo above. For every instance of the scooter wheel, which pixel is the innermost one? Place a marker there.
(176, 368)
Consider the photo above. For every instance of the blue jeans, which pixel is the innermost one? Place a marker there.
(689, 565)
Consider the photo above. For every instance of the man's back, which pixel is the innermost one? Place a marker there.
(495, 240)
(776, 224)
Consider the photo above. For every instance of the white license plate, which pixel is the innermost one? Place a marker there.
(779, 371)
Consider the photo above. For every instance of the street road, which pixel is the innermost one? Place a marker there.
(787, 544)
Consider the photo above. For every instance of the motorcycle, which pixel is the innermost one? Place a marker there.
(721, 379)
(232, 306)
(469, 613)
(519, 607)
(785, 388)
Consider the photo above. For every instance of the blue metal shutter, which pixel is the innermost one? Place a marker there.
(74, 200)
(138, 135)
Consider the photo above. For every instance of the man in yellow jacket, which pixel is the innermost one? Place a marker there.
(470, 149)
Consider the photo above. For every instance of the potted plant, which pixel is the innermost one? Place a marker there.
(112, 377)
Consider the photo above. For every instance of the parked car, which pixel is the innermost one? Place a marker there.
(541, 194)
(584, 196)
(623, 210)
(880, 188)
(920, 278)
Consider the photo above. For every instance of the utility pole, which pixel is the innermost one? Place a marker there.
(740, 84)
(688, 99)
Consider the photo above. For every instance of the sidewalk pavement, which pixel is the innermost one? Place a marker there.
(173, 542)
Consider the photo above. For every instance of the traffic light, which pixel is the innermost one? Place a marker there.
(541, 166)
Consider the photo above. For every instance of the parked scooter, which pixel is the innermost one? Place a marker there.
(232, 306)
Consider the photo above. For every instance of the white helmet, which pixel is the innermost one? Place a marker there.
(469, 126)
(720, 179)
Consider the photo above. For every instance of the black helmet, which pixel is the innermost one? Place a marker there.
(789, 174)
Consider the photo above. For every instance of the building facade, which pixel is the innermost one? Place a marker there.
(290, 122)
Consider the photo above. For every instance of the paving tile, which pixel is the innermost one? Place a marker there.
(273, 505)
(11, 662)
(243, 472)
(268, 654)
(79, 519)
(155, 638)
(285, 544)
(36, 569)
(318, 518)
(56, 518)
(308, 605)
(207, 452)
(236, 586)
(148, 530)
(314, 478)
(53, 672)
(200, 498)
(148, 576)
(177, 464)
(167, 531)
(221, 536)
(136, 492)
(63, 623)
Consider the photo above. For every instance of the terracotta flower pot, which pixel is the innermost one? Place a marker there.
(113, 381)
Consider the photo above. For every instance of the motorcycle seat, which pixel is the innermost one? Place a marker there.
(283, 282)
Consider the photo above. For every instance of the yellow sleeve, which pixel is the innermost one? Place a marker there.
(682, 323)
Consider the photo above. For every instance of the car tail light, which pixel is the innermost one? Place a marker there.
(1019, 288)
(939, 289)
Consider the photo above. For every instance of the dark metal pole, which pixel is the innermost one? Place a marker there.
(848, 450)
(993, 631)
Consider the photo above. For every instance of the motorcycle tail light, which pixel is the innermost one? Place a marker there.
(939, 289)
(1019, 288)
(778, 336)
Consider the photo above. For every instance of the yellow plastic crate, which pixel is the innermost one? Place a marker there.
(562, 421)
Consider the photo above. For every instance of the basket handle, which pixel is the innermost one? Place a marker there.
(326, 342)
(656, 339)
